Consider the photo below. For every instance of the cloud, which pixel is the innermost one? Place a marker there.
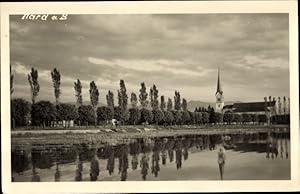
(173, 51)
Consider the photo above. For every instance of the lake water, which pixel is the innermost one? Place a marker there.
(257, 156)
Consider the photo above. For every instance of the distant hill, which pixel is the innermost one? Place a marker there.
(193, 104)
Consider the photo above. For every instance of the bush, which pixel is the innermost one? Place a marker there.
(193, 118)
(262, 118)
(117, 113)
(124, 116)
(246, 118)
(254, 118)
(20, 112)
(177, 117)
(212, 117)
(218, 117)
(86, 114)
(168, 117)
(228, 118)
(146, 115)
(42, 113)
(157, 116)
(205, 117)
(237, 118)
(134, 116)
(185, 117)
(198, 118)
(104, 114)
(281, 119)
(66, 112)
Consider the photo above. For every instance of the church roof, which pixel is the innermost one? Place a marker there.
(249, 106)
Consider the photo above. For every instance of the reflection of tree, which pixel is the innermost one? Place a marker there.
(111, 162)
(35, 176)
(57, 174)
(171, 155)
(275, 146)
(20, 161)
(199, 142)
(66, 155)
(135, 149)
(281, 146)
(286, 147)
(123, 162)
(185, 154)
(206, 141)
(95, 170)
(155, 163)
(212, 142)
(79, 168)
(178, 158)
(144, 164)
(42, 159)
(186, 144)
(134, 162)
(170, 146)
(164, 157)
(178, 153)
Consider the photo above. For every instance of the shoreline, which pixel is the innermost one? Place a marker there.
(125, 134)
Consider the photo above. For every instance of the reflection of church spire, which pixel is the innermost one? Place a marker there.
(219, 88)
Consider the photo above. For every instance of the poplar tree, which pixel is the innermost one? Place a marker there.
(123, 101)
(162, 103)
(78, 96)
(154, 97)
(110, 99)
(78, 93)
(123, 95)
(177, 104)
(143, 96)
(56, 84)
(170, 104)
(34, 84)
(133, 100)
(184, 104)
(94, 96)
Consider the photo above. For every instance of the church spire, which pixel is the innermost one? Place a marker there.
(219, 88)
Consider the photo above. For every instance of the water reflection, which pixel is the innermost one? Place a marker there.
(137, 154)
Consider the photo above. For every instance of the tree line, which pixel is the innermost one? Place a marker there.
(160, 112)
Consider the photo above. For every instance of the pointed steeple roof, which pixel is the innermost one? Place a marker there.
(219, 88)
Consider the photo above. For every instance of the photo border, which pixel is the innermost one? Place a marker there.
(154, 7)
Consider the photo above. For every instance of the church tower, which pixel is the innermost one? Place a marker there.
(219, 95)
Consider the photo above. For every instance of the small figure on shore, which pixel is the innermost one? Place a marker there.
(221, 161)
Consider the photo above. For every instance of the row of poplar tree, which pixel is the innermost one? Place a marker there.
(45, 113)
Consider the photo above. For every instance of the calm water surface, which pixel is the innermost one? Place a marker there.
(258, 156)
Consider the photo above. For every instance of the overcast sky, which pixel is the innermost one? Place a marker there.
(175, 52)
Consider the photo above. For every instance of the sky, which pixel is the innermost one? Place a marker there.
(173, 51)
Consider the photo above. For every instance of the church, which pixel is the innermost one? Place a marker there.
(268, 106)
